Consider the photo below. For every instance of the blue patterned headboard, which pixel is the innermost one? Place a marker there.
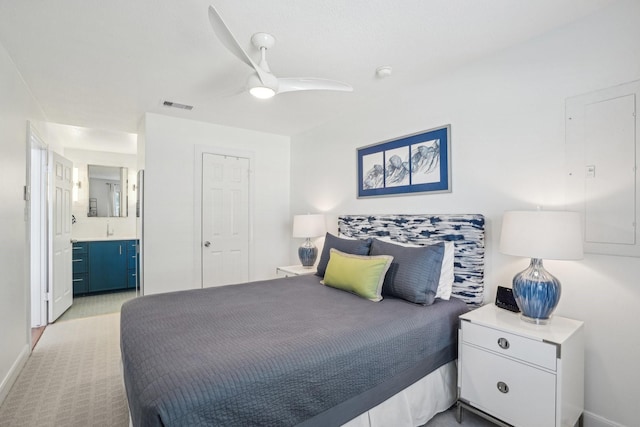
(465, 230)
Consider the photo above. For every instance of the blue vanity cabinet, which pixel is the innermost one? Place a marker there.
(104, 265)
(80, 259)
(108, 265)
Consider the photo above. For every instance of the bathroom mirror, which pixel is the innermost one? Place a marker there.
(108, 191)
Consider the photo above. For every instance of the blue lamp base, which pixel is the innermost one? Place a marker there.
(307, 253)
(537, 293)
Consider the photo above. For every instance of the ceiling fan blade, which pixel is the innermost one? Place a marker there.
(311, 83)
(229, 41)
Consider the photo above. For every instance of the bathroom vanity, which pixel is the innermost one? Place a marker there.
(104, 265)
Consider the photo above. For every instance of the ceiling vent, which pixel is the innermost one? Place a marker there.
(177, 105)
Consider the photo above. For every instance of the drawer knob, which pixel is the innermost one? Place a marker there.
(503, 343)
(503, 387)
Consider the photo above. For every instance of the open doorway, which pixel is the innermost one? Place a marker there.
(103, 222)
(48, 192)
(58, 219)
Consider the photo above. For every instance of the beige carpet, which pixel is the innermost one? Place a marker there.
(73, 378)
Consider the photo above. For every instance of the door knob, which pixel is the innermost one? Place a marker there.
(207, 244)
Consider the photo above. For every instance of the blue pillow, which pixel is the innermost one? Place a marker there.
(414, 273)
(348, 246)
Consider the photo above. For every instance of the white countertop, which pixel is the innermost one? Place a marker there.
(103, 238)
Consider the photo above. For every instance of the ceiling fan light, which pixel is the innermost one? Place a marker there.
(262, 92)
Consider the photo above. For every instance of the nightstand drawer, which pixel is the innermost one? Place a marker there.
(526, 349)
(516, 393)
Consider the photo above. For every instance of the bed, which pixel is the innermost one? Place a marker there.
(294, 352)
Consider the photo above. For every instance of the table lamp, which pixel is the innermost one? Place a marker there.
(540, 235)
(308, 226)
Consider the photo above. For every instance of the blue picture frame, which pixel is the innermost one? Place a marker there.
(416, 163)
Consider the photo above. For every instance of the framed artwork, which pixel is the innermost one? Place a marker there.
(417, 163)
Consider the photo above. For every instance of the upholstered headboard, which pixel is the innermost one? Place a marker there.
(466, 231)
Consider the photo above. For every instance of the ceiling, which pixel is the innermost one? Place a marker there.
(103, 64)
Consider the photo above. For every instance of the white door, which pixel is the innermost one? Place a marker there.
(225, 220)
(61, 284)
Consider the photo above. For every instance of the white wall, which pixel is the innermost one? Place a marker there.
(96, 227)
(16, 107)
(507, 120)
(169, 216)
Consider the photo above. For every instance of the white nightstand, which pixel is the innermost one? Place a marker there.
(514, 372)
(294, 270)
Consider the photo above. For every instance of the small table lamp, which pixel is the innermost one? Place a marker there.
(540, 235)
(308, 226)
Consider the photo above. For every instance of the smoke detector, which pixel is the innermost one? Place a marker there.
(384, 71)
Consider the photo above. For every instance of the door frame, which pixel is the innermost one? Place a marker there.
(37, 289)
(197, 204)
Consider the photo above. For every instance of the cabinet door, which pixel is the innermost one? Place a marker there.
(80, 268)
(80, 258)
(80, 283)
(132, 264)
(509, 390)
(108, 266)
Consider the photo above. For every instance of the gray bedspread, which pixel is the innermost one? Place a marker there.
(275, 353)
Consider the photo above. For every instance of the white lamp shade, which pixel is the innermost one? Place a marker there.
(542, 234)
(308, 226)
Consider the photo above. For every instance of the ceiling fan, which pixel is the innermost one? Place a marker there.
(263, 84)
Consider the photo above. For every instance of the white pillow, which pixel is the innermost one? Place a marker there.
(445, 284)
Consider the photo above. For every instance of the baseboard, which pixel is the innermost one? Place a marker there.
(13, 373)
(593, 420)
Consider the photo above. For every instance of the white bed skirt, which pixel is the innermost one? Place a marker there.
(416, 404)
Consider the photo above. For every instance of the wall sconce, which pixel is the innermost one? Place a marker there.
(77, 184)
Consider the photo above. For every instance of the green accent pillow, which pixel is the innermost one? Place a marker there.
(361, 275)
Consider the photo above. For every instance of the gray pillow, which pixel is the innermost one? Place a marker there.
(348, 246)
(414, 273)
